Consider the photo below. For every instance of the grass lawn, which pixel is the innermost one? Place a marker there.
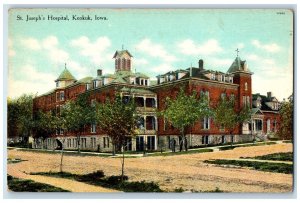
(97, 178)
(246, 145)
(261, 166)
(20, 185)
(180, 153)
(288, 156)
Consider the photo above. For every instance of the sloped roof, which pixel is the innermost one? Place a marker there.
(264, 100)
(137, 90)
(238, 65)
(118, 53)
(65, 75)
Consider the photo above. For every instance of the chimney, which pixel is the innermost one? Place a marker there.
(99, 72)
(201, 64)
(269, 94)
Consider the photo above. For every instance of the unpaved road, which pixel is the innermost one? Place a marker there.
(170, 172)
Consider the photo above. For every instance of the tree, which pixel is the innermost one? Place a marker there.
(79, 113)
(118, 120)
(45, 124)
(20, 117)
(183, 111)
(227, 117)
(286, 119)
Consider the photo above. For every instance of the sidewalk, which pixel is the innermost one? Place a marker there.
(214, 148)
(67, 184)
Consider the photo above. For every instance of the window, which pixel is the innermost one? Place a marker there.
(142, 82)
(206, 123)
(88, 86)
(83, 142)
(61, 131)
(123, 63)
(57, 96)
(93, 142)
(57, 84)
(205, 94)
(223, 96)
(62, 96)
(213, 76)
(246, 86)
(128, 63)
(105, 142)
(146, 82)
(95, 83)
(93, 128)
(222, 128)
(268, 125)
(205, 139)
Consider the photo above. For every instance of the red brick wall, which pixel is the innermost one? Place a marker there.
(215, 90)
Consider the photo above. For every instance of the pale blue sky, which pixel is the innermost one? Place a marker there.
(159, 40)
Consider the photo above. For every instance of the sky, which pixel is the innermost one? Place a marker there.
(159, 40)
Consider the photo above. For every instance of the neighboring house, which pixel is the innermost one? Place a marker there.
(155, 133)
(265, 118)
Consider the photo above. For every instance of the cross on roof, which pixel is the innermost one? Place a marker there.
(237, 52)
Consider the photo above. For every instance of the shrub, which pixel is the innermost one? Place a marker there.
(140, 187)
(92, 176)
(261, 166)
(20, 185)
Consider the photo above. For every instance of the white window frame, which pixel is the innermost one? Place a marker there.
(206, 123)
(93, 128)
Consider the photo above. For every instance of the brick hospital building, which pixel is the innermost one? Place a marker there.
(155, 133)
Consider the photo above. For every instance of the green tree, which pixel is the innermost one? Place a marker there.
(20, 117)
(45, 124)
(286, 119)
(78, 114)
(183, 111)
(118, 120)
(226, 116)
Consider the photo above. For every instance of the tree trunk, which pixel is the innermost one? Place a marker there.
(78, 141)
(114, 149)
(61, 158)
(123, 164)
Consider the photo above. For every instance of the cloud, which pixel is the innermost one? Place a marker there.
(141, 61)
(155, 50)
(189, 47)
(31, 43)
(96, 51)
(273, 47)
(32, 81)
(162, 68)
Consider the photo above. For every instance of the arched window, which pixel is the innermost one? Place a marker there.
(123, 63)
(128, 64)
(246, 86)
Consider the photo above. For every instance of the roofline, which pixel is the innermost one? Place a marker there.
(193, 78)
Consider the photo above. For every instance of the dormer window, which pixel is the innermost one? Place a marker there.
(95, 83)
(88, 86)
(213, 76)
(57, 84)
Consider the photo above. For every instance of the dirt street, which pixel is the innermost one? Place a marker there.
(170, 172)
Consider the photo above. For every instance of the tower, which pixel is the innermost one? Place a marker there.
(122, 60)
(242, 77)
(65, 78)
